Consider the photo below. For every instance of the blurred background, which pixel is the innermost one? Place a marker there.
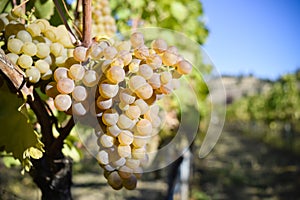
(255, 46)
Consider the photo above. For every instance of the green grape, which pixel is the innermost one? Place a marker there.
(165, 77)
(108, 90)
(154, 81)
(133, 112)
(136, 82)
(25, 61)
(13, 57)
(14, 45)
(56, 49)
(34, 30)
(110, 52)
(114, 130)
(145, 91)
(24, 36)
(79, 108)
(132, 163)
(43, 50)
(103, 157)
(159, 46)
(29, 49)
(42, 66)
(33, 74)
(124, 151)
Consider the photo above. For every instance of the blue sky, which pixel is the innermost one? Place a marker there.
(261, 37)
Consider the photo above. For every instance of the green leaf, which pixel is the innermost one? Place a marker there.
(16, 135)
(43, 8)
(179, 11)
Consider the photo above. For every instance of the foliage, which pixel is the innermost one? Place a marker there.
(276, 112)
(171, 14)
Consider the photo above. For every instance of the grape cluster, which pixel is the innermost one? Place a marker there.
(134, 78)
(103, 22)
(36, 47)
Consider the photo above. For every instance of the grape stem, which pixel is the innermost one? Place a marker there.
(87, 22)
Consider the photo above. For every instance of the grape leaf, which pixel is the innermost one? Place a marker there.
(16, 135)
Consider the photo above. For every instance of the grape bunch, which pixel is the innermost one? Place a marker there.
(134, 77)
(104, 23)
(36, 47)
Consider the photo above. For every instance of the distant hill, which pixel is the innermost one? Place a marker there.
(241, 86)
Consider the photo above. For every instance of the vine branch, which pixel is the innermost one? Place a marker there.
(87, 22)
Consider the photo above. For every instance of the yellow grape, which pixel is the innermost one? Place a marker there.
(65, 86)
(90, 78)
(165, 77)
(142, 105)
(159, 45)
(79, 93)
(42, 66)
(33, 74)
(134, 65)
(145, 71)
(25, 61)
(80, 108)
(34, 29)
(103, 157)
(184, 67)
(140, 141)
(136, 82)
(106, 140)
(110, 117)
(139, 153)
(24, 36)
(142, 52)
(115, 74)
(104, 103)
(154, 61)
(137, 39)
(62, 102)
(56, 49)
(133, 112)
(169, 58)
(144, 127)
(125, 122)
(113, 130)
(76, 72)
(132, 163)
(125, 137)
(43, 50)
(14, 45)
(144, 92)
(80, 53)
(110, 52)
(124, 151)
(29, 48)
(154, 81)
(60, 73)
(107, 90)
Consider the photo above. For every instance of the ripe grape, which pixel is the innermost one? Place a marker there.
(104, 103)
(62, 102)
(80, 53)
(106, 140)
(107, 90)
(79, 108)
(14, 45)
(124, 151)
(137, 39)
(115, 74)
(130, 182)
(13, 57)
(159, 45)
(125, 137)
(125, 172)
(110, 117)
(144, 127)
(60, 73)
(29, 48)
(42, 66)
(34, 29)
(114, 180)
(113, 130)
(33, 74)
(65, 85)
(24, 36)
(169, 58)
(43, 50)
(145, 71)
(90, 78)
(25, 61)
(79, 93)
(145, 91)
(125, 122)
(103, 157)
(133, 112)
(136, 82)
(76, 72)
(184, 67)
